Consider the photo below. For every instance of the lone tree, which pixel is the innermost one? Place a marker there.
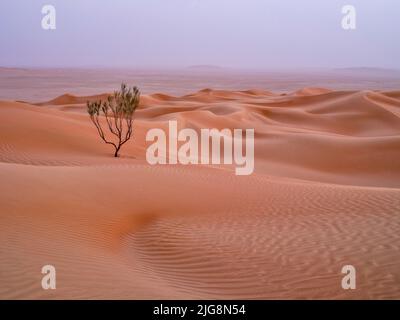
(118, 111)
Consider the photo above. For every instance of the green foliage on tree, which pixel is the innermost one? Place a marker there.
(118, 113)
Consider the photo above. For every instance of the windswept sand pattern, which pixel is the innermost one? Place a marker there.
(273, 247)
(325, 193)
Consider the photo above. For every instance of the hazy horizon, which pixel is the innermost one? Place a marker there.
(238, 34)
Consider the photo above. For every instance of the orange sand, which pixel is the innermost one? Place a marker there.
(325, 193)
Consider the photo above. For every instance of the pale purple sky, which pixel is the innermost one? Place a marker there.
(260, 34)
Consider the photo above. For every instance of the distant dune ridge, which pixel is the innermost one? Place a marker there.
(44, 84)
(325, 193)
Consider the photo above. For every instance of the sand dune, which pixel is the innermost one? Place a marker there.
(311, 91)
(325, 193)
(67, 99)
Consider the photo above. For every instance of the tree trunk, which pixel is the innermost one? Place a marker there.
(116, 153)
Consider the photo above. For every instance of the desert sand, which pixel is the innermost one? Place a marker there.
(325, 193)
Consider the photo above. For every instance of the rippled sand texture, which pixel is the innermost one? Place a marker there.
(325, 193)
